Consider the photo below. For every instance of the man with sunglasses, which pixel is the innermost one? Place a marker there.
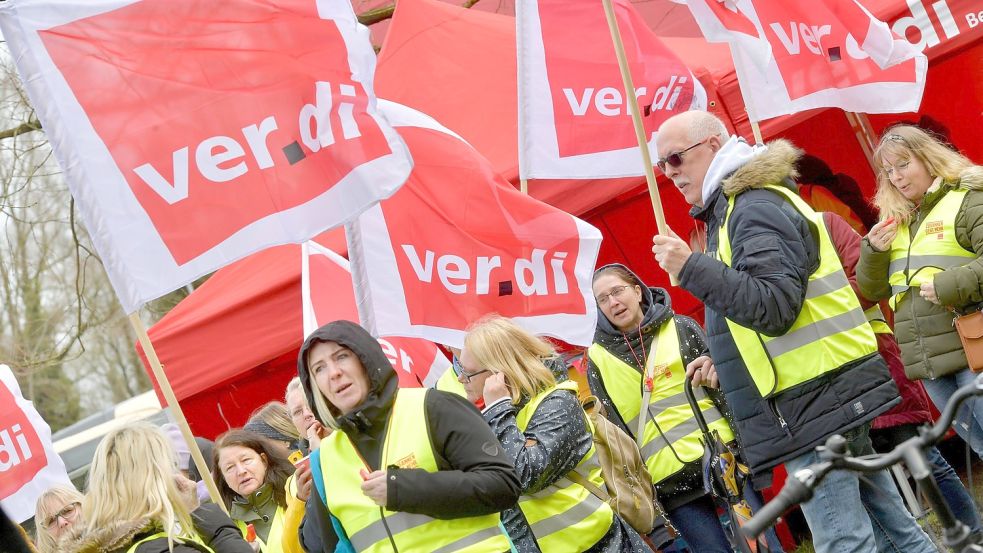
(793, 352)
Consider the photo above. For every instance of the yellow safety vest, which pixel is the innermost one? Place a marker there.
(448, 382)
(933, 249)
(370, 527)
(273, 542)
(566, 516)
(195, 538)
(877, 320)
(671, 437)
(830, 331)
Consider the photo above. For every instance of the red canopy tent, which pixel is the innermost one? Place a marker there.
(231, 345)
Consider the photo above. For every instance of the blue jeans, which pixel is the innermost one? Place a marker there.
(849, 514)
(969, 422)
(698, 524)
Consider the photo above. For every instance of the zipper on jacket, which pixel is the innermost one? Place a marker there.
(914, 319)
(920, 341)
(778, 415)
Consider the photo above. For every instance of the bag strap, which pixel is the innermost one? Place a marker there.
(578, 478)
(315, 464)
(643, 408)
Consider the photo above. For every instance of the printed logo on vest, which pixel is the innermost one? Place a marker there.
(858, 407)
(408, 462)
(933, 227)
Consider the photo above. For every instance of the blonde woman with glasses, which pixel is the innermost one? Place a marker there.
(545, 433)
(138, 502)
(924, 255)
(58, 510)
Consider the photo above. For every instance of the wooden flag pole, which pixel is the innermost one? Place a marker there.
(865, 135)
(524, 186)
(165, 386)
(636, 118)
(756, 131)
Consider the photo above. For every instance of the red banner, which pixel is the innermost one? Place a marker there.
(574, 114)
(458, 242)
(329, 296)
(197, 132)
(795, 56)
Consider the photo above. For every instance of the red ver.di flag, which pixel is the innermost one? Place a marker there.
(574, 119)
(794, 56)
(328, 295)
(458, 242)
(28, 462)
(193, 133)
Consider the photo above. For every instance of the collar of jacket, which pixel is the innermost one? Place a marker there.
(114, 536)
(774, 165)
(259, 505)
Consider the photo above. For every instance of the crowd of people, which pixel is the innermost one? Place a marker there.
(502, 455)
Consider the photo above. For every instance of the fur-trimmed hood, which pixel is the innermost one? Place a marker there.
(772, 166)
(972, 178)
(117, 536)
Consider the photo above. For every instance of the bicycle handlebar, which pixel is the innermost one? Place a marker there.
(799, 486)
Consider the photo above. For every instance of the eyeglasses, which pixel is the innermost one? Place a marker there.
(67, 513)
(896, 138)
(617, 292)
(675, 159)
(889, 170)
(469, 376)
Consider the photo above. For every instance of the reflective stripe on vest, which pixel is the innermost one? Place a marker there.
(566, 516)
(274, 539)
(830, 331)
(195, 538)
(933, 249)
(448, 382)
(671, 436)
(877, 320)
(407, 445)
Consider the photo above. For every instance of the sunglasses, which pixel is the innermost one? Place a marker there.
(675, 159)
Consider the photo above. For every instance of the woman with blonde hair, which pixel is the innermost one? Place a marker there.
(138, 502)
(924, 255)
(272, 421)
(545, 433)
(58, 509)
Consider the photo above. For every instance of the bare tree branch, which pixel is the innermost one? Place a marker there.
(32, 125)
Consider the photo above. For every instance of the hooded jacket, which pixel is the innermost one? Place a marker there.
(214, 527)
(475, 477)
(687, 484)
(774, 250)
(929, 344)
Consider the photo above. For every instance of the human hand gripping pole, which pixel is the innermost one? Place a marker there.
(799, 486)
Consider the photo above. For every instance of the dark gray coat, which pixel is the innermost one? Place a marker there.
(562, 438)
(774, 250)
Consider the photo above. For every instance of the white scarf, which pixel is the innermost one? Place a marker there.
(732, 156)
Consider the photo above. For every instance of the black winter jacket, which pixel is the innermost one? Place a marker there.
(774, 250)
(475, 477)
(687, 484)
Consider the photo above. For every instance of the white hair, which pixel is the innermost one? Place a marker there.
(703, 124)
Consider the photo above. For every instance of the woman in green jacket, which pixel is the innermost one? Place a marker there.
(924, 255)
